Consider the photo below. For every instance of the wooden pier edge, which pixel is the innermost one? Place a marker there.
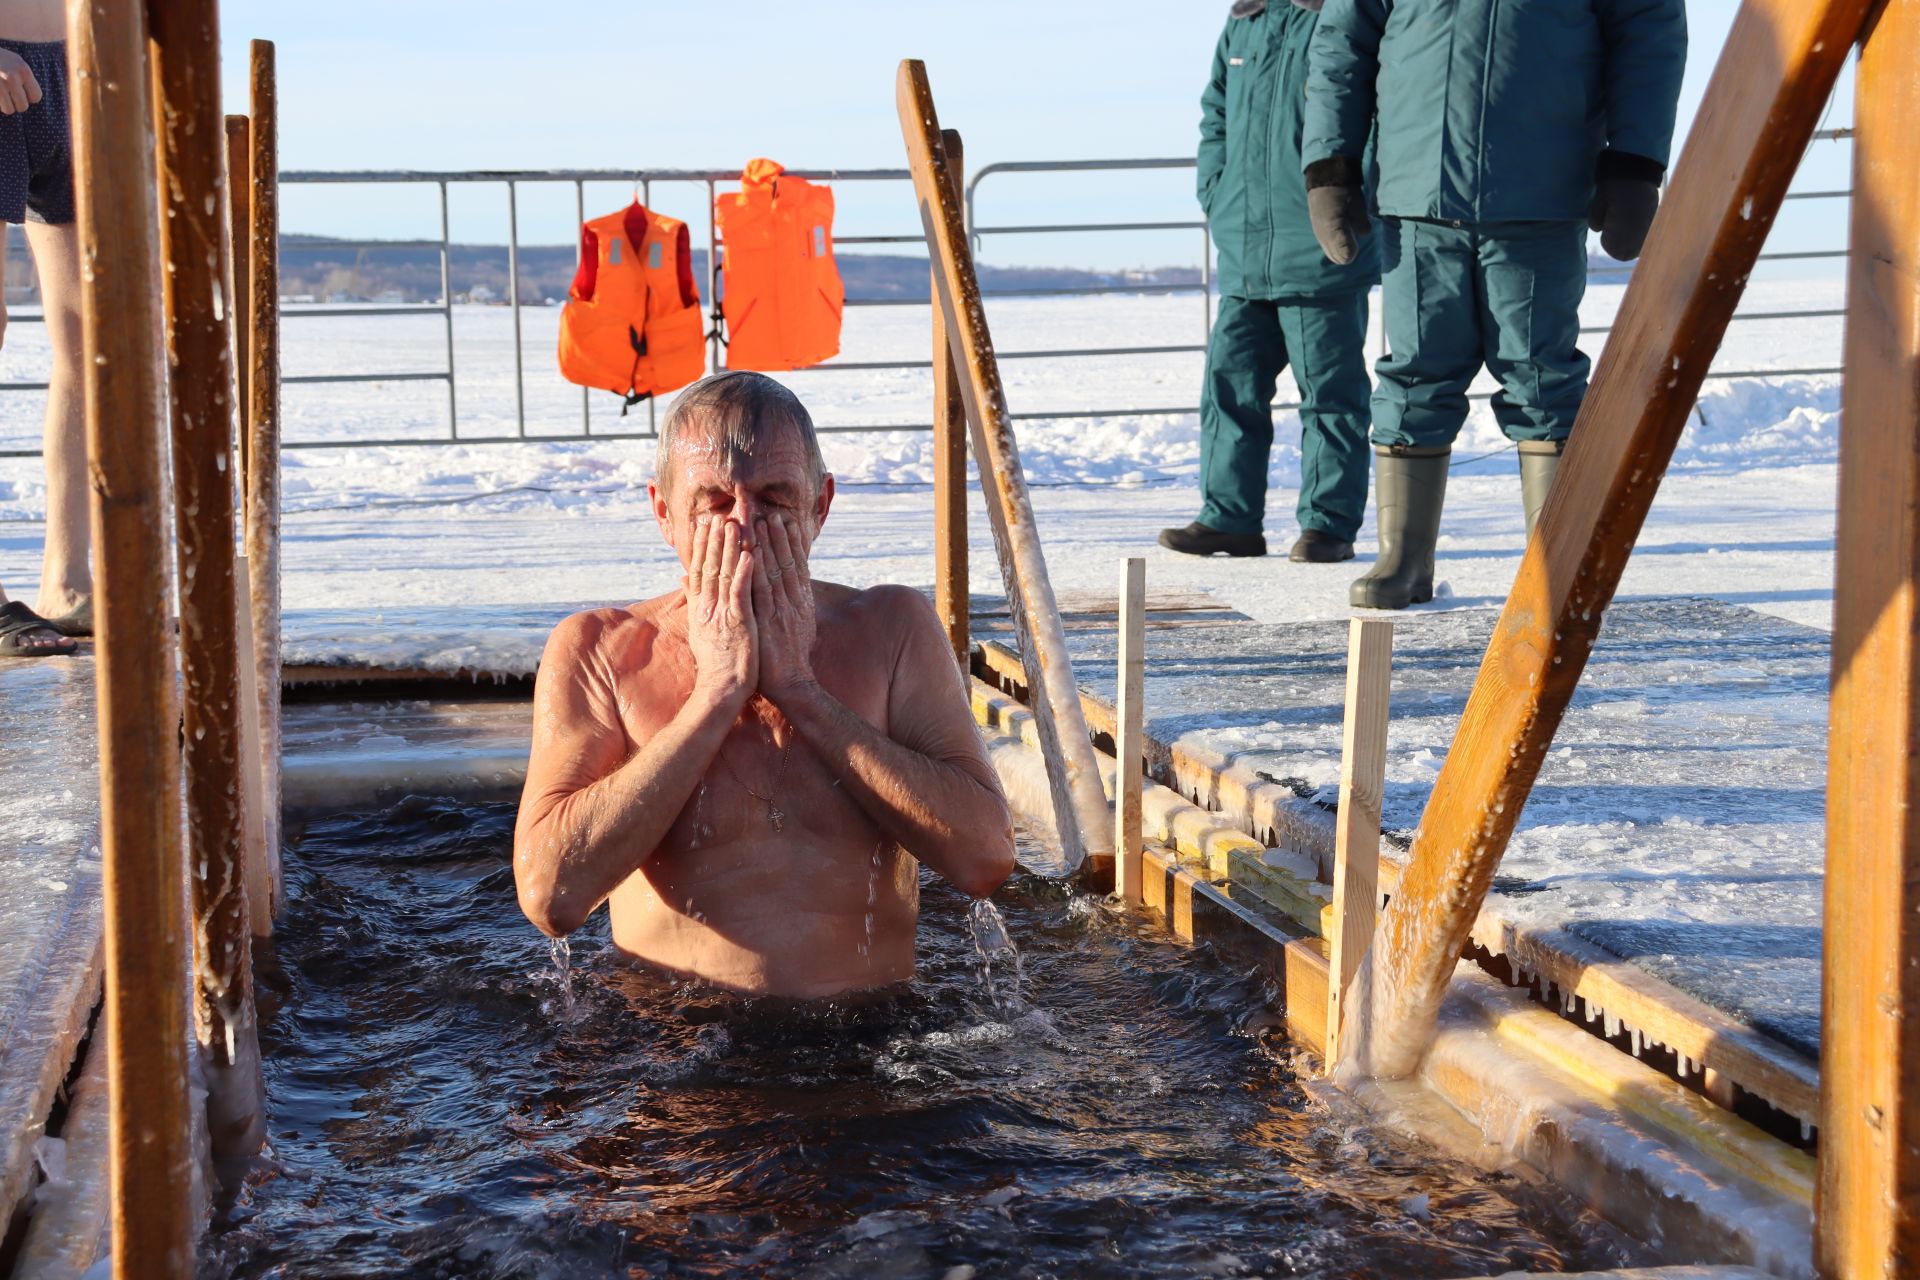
(1772, 81)
(1869, 1190)
(143, 863)
(1080, 804)
(951, 575)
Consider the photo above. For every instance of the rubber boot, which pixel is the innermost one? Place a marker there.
(1539, 463)
(1410, 488)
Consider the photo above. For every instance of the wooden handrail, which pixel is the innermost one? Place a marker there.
(950, 567)
(143, 872)
(1868, 1199)
(185, 44)
(1079, 800)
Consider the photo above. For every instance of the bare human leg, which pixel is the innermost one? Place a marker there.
(66, 578)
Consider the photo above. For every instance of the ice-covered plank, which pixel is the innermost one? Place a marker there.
(50, 951)
(1677, 824)
(477, 641)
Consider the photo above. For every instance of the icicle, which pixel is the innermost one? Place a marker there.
(1636, 1042)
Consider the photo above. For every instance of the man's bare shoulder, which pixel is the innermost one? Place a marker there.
(882, 617)
(614, 636)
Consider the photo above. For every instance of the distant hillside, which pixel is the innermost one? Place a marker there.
(316, 267)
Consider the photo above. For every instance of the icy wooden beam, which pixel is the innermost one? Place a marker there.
(185, 45)
(263, 435)
(950, 577)
(1129, 746)
(1868, 1198)
(240, 270)
(1079, 801)
(1772, 82)
(143, 871)
(1356, 834)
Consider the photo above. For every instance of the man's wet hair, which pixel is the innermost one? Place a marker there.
(735, 410)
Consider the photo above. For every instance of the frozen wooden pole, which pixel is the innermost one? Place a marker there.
(1867, 1203)
(143, 871)
(239, 220)
(1073, 773)
(950, 585)
(252, 768)
(1772, 82)
(1129, 747)
(263, 435)
(185, 45)
(1356, 830)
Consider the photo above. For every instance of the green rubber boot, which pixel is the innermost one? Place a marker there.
(1539, 463)
(1410, 488)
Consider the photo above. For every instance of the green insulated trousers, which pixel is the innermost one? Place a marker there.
(1506, 295)
(1324, 340)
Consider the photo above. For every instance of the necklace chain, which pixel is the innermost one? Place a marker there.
(775, 817)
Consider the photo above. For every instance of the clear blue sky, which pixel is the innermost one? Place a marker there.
(440, 84)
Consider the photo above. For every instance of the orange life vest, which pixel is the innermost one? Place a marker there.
(780, 290)
(632, 323)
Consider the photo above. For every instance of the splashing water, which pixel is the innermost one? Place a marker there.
(996, 951)
(561, 949)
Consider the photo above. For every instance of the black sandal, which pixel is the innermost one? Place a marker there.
(25, 634)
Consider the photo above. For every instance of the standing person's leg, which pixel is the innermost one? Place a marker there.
(1535, 276)
(1428, 287)
(1244, 358)
(1326, 340)
(66, 580)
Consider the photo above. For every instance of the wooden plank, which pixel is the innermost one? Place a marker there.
(185, 47)
(1703, 1035)
(1772, 82)
(950, 568)
(1080, 803)
(1356, 841)
(143, 865)
(1129, 743)
(1868, 1204)
(239, 273)
(263, 434)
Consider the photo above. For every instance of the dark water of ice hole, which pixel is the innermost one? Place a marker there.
(435, 1111)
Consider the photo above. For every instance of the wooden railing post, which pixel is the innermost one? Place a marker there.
(143, 868)
(1772, 82)
(950, 584)
(1868, 1198)
(239, 271)
(1129, 745)
(263, 435)
(185, 36)
(1073, 773)
(1356, 832)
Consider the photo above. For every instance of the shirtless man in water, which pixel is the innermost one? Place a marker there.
(745, 769)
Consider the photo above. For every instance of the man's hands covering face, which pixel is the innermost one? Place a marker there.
(720, 621)
(750, 612)
(783, 604)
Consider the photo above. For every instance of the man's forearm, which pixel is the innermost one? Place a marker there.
(936, 810)
(587, 843)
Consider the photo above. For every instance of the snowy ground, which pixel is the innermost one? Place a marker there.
(1745, 517)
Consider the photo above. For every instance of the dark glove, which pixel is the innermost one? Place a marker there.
(1337, 207)
(1626, 195)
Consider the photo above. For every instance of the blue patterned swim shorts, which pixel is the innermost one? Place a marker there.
(36, 147)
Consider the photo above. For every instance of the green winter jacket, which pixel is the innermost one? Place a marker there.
(1250, 184)
(1494, 110)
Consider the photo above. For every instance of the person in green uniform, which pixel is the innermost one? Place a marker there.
(1282, 303)
(1504, 129)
